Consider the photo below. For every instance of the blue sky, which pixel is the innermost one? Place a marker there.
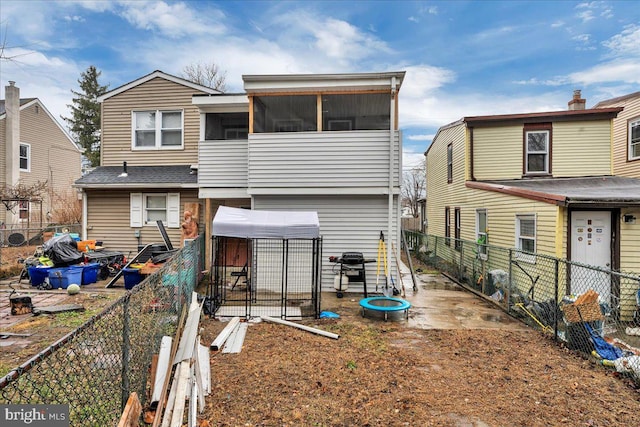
(462, 58)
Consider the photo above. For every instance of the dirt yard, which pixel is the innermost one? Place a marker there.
(385, 374)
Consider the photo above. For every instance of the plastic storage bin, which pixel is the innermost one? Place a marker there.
(63, 277)
(132, 277)
(38, 273)
(90, 273)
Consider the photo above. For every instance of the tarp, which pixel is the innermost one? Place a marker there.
(256, 224)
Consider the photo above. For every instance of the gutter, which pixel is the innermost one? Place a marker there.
(553, 199)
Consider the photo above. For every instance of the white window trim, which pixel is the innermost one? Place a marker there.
(526, 257)
(28, 169)
(482, 254)
(138, 210)
(545, 152)
(632, 124)
(159, 130)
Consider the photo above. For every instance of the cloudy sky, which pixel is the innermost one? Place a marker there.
(462, 58)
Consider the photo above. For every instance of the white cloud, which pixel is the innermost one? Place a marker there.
(626, 43)
(420, 137)
(614, 71)
(173, 20)
(433, 10)
(412, 157)
(585, 16)
(74, 18)
(557, 24)
(413, 19)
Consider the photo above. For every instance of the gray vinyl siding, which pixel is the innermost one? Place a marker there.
(223, 163)
(350, 159)
(108, 221)
(347, 224)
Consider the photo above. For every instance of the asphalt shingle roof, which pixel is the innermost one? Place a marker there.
(181, 176)
(599, 189)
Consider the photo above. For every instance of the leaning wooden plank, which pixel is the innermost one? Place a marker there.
(58, 309)
(205, 368)
(174, 348)
(236, 339)
(303, 327)
(164, 358)
(169, 405)
(188, 337)
(181, 394)
(197, 377)
(132, 410)
(193, 405)
(222, 337)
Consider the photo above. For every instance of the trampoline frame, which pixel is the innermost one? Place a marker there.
(402, 305)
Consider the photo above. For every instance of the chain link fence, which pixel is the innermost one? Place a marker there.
(594, 310)
(94, 368)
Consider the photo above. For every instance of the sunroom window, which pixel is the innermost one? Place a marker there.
(226, 126)
(294, 113)
(362, 111)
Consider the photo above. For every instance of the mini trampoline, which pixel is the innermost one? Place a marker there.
(385, 305)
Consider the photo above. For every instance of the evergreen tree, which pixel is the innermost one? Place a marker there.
(85, 114)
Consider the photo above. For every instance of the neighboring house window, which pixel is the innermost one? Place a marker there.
(147, 208)
(25, 157)
(526, 236)
(23, 207)
(447, 226)
(537, 146)
(457, 226)
(481, 232)
(634, 139)
(157, 130)
(450, 163)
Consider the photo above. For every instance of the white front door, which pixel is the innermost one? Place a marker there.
(591, 244)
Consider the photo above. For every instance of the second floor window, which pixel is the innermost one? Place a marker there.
(25, 157)
(537, 146)
(157, 130)
(450, 163)
(226, 126)
(634, 139)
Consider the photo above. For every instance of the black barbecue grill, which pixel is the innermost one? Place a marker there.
(352, 265)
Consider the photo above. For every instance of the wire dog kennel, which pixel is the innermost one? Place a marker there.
(265, 263)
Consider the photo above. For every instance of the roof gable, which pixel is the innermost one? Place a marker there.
(153, 75)
(618, 100)
(28, 102)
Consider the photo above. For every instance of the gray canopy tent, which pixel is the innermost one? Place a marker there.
(265, 263)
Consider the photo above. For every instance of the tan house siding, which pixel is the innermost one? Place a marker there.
(497, 152)
(629, 260)
(590, 141)
(108, 220)
(621, 166)
(439, 192)
(156, 94)
(54, 158)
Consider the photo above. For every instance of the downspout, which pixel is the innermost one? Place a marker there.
(392, 129)
(85, 210)
(471, 172)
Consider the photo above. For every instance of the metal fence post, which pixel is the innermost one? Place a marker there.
(555, 317)
(461, 262)
(510, 280)
(125, 352)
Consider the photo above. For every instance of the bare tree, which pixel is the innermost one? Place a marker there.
(413, 189)
(206, 74)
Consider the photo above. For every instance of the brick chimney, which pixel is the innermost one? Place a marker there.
(577, 103)
(12, 133)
